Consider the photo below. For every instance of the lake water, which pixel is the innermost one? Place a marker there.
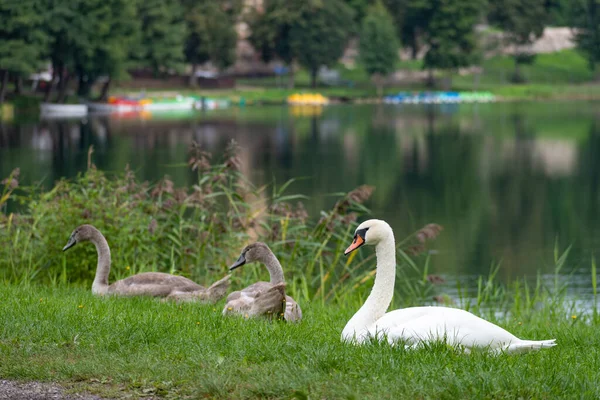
(509, 182)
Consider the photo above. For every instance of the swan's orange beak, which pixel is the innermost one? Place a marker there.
(358, 241)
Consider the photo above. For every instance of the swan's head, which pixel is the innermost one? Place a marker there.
(369, 232)
(253, 252)
(81, 234)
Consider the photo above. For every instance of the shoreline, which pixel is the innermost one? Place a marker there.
(269, 96)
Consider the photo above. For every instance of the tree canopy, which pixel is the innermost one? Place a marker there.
(85, 40)
(378, 43)
(211, 35)
(162, 36)
(23, 43)
(586, 17)
(523, 22)
(450, 33)
(319, 33)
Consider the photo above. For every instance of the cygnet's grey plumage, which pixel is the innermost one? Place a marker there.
(253, 300)
(155, 284)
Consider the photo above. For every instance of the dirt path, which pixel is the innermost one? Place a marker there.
(10, 390)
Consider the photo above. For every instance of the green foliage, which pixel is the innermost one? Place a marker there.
(113, 30)
(450, 34)
(558, 12)
(523, 22)
(411, 20)
(22, 39)
(319, 34)
(587, 19)
(270, 30)
(359, 8)
(163, 33)
(211, 34)
(378, 43)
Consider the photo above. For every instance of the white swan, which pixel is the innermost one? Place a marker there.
(416, 325)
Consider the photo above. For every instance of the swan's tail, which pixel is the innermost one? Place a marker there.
(524, 346)
(217, 290)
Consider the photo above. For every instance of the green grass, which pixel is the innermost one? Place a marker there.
(138, 346)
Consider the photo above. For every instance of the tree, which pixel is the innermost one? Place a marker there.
(378, 44)
(359, 8)
(586, 17)
(450, 34)
(558, 12)
(412, 18)
(162, 36)
(211, 35)
(22, 40)
(89, 39)
(113, 31)
(270, 32)
(319, 33)
(523, 22)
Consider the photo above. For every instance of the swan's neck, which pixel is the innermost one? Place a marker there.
(274, 267)
(381, 295)
(100, 285)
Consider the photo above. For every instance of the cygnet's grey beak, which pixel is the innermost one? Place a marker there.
(240, 261)
(72, 242)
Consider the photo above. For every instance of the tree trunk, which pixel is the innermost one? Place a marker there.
(105, 88)
(414, 47)
(378, 81)
(3, 82)
(448, 81)
(430, 78)
(63, 84)
(193, 82)
(517, 77)
(313, 77)
(19, 84)
(291, 76)
(84, 86)
(50, 85)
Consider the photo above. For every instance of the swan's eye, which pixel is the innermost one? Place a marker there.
(362, 233)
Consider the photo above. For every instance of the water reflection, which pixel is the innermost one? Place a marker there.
(507, 181)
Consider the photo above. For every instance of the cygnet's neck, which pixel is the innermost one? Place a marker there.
(100, 285)
(274, 267)
(381, 295)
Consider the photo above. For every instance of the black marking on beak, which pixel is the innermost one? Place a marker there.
(359, 240)
(72, 242)
(240, 261)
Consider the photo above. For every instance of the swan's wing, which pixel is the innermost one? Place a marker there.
(153, 284)
(293, 313)
(158, 278)
(269, 303)
(240, 303)
(258, 287)
(233, 296)
(454, 326)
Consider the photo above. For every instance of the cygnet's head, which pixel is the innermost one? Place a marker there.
(369, 232)
(253, 252)
(81, 234)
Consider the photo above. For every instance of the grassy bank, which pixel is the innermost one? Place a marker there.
(117, 347)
